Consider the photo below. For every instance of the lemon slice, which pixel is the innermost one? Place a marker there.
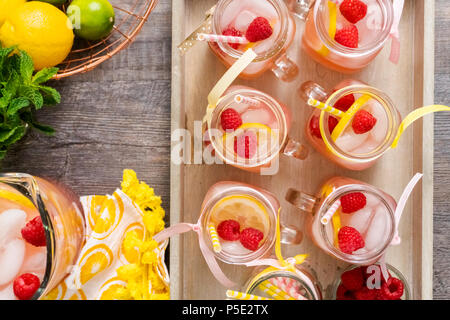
(18, 198)
(263, 133)
(247, 210)
(348, 116)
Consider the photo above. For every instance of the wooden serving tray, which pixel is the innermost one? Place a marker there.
(410, 84)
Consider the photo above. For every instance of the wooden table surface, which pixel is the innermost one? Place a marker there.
(118, 116)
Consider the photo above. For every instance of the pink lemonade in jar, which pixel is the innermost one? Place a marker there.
(27, 269)
(362, 226)
(368, 134)
(361, 30)
(268, 20)
(250, 134)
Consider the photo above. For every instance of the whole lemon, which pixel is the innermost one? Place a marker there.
(92, 19)
(40, 29)
(6, 6)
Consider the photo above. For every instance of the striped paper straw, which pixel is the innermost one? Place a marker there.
(288, 286)
(214, 238)
(221, 38)
(243, 296)
(245, 100)
(274, 291)
(322, 106)
(330, 213)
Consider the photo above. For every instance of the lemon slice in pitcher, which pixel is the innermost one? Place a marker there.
(17, 198)
(247, 210)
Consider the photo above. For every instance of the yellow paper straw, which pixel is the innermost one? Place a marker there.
(274, 291)
(214, 238)
(244, 296)
(322, 106)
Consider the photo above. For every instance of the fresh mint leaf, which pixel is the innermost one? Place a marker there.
(51, 96)
(17, 104)
(26, 66)
(19, 133)
(33, 95)
(5, 134)
(44, 75)
(4, 53)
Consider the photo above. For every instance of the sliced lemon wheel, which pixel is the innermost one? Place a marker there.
(18, 198)
(247, 210)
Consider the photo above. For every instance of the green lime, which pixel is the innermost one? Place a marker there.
(54, 2)
(91, 19)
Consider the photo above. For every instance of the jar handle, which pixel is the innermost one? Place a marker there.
(310, 89)
(295, 149)
(300, 8)
(290, 234)
(301, 200)
(285, 69)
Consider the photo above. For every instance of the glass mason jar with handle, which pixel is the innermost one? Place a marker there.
(271, 52)
(362, 225)
(26, 200)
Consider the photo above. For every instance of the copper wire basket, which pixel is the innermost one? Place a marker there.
(85, 55)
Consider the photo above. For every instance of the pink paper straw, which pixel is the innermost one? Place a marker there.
(221, 38)
(330, 213)
(245, 100)
(287, 285)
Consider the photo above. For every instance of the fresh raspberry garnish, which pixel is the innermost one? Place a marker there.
(34, 232)
(229, 230)
(230, 119)
(353, 279)
(353, 10)
(342, 293)
(246, 145)
(315, 127)
(231, 31)
(345, 102)
(25, 286)
(250, 238)
(392, 289)
(352, 202)
(366, 294)
(259, 29)
(350, 240)
(347, 36)
(363, 122)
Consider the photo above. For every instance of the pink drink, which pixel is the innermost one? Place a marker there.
(271, 51)
(264, 122)
(351, 150)
(252, 208)
(64, 227)
(373, 32)
(374, 221)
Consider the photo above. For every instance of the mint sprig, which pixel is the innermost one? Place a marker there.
(21, 93)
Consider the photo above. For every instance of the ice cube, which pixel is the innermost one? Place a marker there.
(11, 222)
(35, 263)
(367, 147)
(359, 220)
(372, 201)
(349, 141)
(11, 259)
(243, 20)
(377, 232)
(234, 248)
(229, 14)
(240, 107)
(260, 115)
(7, 293)
(261, 8)
(380, 129)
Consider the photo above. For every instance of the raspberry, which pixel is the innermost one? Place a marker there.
(353, 10)
(229, 230)
(347, 36)
(366, 294)
(363, 122)
(25, 286)
(353, 279)
(392, 289)
(315, 128)
(246, 145)
(250, 238)
(350, 240)
(259, 29)
(345, 102)
(352, 202)
(232, 32)
(230, 119)
(342, 293)
(34, 232)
